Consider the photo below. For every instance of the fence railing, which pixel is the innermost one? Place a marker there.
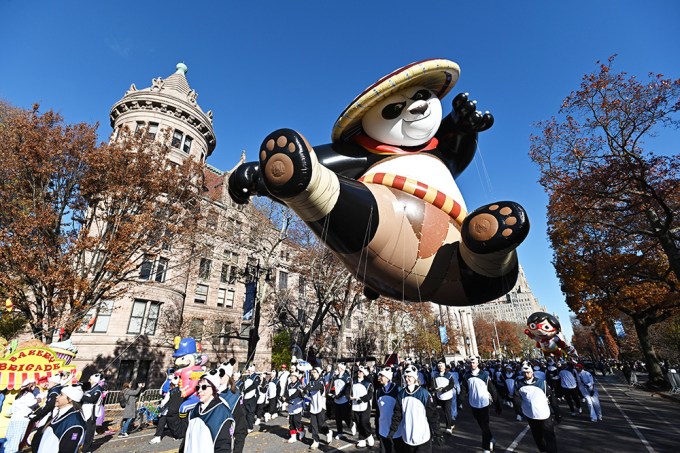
(112, 405)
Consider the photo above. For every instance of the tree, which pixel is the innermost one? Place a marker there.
(281, 349)
(79, 218)
(613, 207)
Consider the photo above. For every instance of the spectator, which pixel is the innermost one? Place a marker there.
(130, 411)
(570, 388)
(588, 389)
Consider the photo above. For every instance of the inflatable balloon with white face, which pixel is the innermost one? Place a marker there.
(547, 331)
(383, 196)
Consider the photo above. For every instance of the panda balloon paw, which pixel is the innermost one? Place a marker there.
(286, 163)
(468, 117)
(495, 227)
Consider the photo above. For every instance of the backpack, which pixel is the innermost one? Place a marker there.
(122, 400)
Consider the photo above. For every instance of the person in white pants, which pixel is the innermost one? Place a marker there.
(586, 384)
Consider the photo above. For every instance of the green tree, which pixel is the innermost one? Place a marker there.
(281, 344)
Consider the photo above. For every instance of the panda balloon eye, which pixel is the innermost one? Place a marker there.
(421, 95)
(392, 111)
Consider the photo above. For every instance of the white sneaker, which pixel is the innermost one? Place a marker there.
(599, 418)
(329, 437)
(293, 439)
(274, 415)
(580, 411)
(449, 430)
(361, 444)
(250, 431)
(257, 422)
(302, 434)
(267, 417)
(338, 437)
(314, 445)
(155, 440)
(518, 418)
(493, 441)
(370, 441)
(354, 429)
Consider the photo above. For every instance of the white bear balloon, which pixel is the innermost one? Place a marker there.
(383, 197)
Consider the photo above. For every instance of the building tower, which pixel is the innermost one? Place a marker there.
(168, 104)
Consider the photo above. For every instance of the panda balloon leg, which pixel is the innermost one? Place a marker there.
(438, 258)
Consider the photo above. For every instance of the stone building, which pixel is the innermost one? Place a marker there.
(516, 306)
(196, 290)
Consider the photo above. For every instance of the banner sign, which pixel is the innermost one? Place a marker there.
(618, 326)
(442, 335)
(34, 363)
(249, 303)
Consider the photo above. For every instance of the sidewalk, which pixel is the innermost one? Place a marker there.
(641, 379)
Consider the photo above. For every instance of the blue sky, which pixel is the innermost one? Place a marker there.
(270, 64)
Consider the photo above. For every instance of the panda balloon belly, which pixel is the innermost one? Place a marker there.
(413, 253)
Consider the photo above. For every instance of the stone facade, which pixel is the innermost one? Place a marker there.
(195, 291)
(516, 306)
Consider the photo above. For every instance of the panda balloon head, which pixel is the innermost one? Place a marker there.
(407, 118)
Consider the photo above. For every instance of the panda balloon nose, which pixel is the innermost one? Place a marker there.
(418, 108)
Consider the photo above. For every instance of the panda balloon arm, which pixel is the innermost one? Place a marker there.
(345, 158)
(457, 134)
(246, 181)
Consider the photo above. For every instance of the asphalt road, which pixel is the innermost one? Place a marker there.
(633, 421)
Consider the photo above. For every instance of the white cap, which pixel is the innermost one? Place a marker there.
(54, 379)
(95, 377)
(74, 392)
(27, 382)
(341, 366)
(411, 371)
(213, 377)
(387, 372)
(251, 368)
(527, 367)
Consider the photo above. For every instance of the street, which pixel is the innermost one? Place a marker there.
(633, 421)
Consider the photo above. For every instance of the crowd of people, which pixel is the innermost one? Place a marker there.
(407, 407)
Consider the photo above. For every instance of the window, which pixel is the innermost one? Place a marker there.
(222, 328)
(283, 280)
(230, 298)
(101, 324)
(153, 130)
(201, 294)
(146, 268)
(144, 316)
(138, 127)
(196, 329)
(152, 318)
(125, 371)
(176, 139)
(212, 220)
(301, 288)
(221, 294)
(230, 257)
(143, 371)
(224, 274)
(187, 144)
(348, 323)
(204, 269)
(161, 268)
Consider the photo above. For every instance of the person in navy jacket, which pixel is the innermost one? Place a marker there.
(415, 414)
(361, 397)
(66, 430)
(534, 398)
(210, 421)
(386, 394)
(481, 395)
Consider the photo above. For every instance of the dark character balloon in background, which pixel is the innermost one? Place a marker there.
(383, 197)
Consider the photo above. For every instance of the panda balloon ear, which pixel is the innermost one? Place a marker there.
(221, 372)
(232, 361)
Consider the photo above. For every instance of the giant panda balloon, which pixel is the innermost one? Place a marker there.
(383, 197)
